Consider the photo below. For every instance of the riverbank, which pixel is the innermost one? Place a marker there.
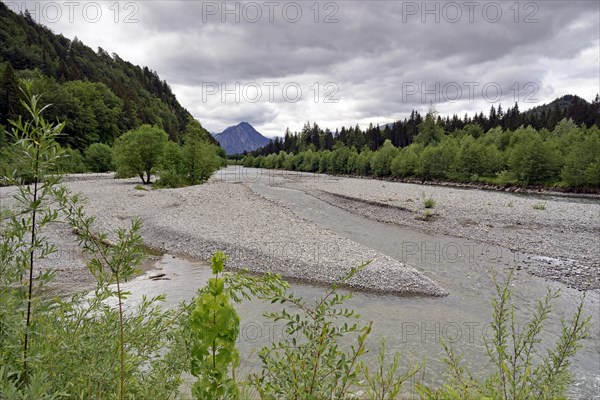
(573, 192)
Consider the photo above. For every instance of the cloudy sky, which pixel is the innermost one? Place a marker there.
(278, 64)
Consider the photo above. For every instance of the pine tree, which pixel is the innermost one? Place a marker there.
(554, 117)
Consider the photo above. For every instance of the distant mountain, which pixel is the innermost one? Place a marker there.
(240, 138)
(573, 105)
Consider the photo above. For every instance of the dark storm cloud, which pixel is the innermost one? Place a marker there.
(365, 29)
(375, 53)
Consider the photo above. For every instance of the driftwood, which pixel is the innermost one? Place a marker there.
(105, 242)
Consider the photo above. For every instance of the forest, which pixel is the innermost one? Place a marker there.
(555, 145)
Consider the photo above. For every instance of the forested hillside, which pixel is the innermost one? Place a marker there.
(99, 95)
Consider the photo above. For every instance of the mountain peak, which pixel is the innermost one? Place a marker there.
(240, 138)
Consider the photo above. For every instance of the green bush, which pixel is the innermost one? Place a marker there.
(471, 157)
(190, 164)
(200, 160)
(170, 167)
(325, 161)
(259, 162)
(582, 162)
(382, 159)
(14, 164)
(99, 157)
(338, 162)
(363, 162)
(506, 178)
(433, 164)
(310, 361)
(70, 162)
(310, 161)
(79, 346)
(533, 160)
(520, 371)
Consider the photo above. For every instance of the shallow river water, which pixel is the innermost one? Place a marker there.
(412, 325)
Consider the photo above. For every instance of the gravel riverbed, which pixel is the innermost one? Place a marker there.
(561, 234)
(256, 234)
(263, 235)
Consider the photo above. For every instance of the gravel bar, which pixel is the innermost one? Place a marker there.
(566, 230)
(255, 233)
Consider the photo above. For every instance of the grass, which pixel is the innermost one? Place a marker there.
(428, 202)
(539, 207)
(140, 187)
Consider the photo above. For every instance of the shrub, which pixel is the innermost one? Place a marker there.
(471, 157)
(325, 161)
(533, 160)
(506, 178)
(363, 162)
(217, 326)
(170, 167)
(520, 372)
(433, 164)
(582, 163)
(248, 161)
(258, 162)
(70, 162)
(339, 160)
(200, 160)
(310, 361)
(382, 159)
(429, 202)
(214, 326)
(80, 346)
(99, 157)
(407, 163)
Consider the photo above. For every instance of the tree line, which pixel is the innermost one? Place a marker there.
(566, 156)
(403, 132)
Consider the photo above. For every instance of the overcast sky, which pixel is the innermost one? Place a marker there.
(277, 64)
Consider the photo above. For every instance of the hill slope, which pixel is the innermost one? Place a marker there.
(240, 138)
(100, 95)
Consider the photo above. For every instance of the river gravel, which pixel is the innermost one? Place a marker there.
(563, 233)
(256, 234)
